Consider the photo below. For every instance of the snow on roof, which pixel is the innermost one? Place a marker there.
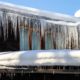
(41, 58)
(37, 12)
(63, 23)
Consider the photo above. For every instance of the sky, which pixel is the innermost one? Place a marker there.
(61, 6)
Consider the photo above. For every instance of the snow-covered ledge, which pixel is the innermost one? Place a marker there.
(37, 12)
(41, 58)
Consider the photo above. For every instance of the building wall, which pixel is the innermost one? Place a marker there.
(25, 32)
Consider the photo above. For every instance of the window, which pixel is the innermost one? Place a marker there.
(35, 24)
(48, 39)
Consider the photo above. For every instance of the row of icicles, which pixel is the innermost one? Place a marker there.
(62, 36)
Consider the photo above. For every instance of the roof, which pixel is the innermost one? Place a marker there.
(41, 13)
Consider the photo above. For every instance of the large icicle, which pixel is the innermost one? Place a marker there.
(13, 18)
(4, 23)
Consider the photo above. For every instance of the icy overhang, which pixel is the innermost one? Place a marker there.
(37, 12)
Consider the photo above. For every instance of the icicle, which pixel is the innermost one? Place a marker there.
(35, 24)
(26, 23)
(53, 36)
(24, 31)
(48, 37)
(5, 24)
(72, 35)
(78, 28)
(18, 23)
(43, 25)
(13, 17)
(0, 23)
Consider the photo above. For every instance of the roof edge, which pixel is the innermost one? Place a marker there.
(33, 11)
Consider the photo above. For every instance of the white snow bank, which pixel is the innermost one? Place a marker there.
(41, 57)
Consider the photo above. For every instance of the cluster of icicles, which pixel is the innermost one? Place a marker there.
(13, 21)
(63, 36)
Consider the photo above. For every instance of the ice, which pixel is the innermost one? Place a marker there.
(64, 33)
(13, 18)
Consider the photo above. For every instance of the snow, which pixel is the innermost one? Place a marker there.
(41, 58)
(63, 23)
(17, 20)
(28, 10)
(77, 13)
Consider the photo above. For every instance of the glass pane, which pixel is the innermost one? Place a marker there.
(48, 41)
(35, 40)
(24, 39)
